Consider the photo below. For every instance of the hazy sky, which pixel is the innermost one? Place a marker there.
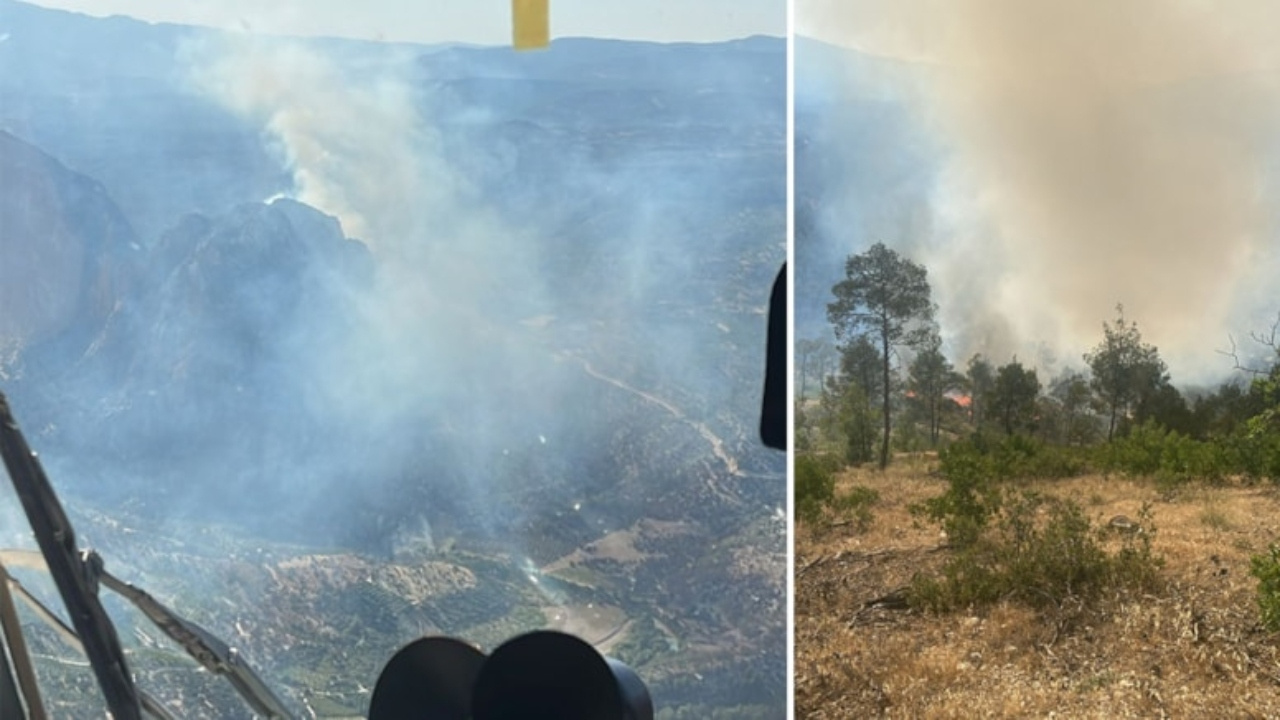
(1088, 154)
(475, 21)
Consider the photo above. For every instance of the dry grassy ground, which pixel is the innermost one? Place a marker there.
(1193, 650)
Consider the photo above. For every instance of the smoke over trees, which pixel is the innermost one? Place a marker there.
(1120, 403)
(814, 360)
(930, 378)
(1086, 152)
(1126, 371)
(981, 377)
(1013, 397)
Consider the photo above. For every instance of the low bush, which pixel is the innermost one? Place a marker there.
(1254, 450)
(1021, 456)
(815, 490)
(1039, 551)
(1021, 545)
(1172, 459)
(815, 485)
(857, 503)
(972, 496)
(1266, 568)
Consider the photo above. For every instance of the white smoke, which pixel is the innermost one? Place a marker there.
(1095, 153)
(450, 273)
(355, 142)
(360, 147)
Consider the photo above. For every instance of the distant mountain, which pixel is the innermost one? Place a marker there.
(108, 97)
(218, 323)
(68, 87)
(864, 164)
(657, 164)
(69, 255)
(833, 73)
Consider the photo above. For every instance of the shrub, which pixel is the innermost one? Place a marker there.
(1041, 551)
(1135, 565)
(972, 496)
(1254, 450)
(1267, 569)
(1024, 546)
(1053, 558)
(1024, 457)
(815, 489)
(1139, 452)
(858, 504)
(1173, 460)
(815, 486)
(1054, 462)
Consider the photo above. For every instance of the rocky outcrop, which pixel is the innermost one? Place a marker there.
(67, 254)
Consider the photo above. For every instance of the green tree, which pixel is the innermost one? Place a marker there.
(847, 398)
(1077, 426)
(886, 297)
(981, 378)
(930, 378)
(815, 359)
(858, 424)
(1263, 398)
(1220, 412)
(806, 350)
(1124, 370)
(1013, 397)
(826, 361)
(1165, 405)
(860, 363)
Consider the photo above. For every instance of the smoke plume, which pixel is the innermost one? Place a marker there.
(1095, 153)
(451, 277)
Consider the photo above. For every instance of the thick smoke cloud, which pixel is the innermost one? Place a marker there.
(493, 304)
(356, 146)
(1095, 153)
(451, 279)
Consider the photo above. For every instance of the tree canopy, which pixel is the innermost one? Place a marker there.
(930, 378)
(981, 378)
(885, 297)
(861, 363)
(1013, 397)
(1125, 370)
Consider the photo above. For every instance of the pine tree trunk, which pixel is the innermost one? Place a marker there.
(884, 446)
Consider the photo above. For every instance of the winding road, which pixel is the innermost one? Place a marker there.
(717, 443)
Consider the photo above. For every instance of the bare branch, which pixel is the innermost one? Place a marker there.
(1269, 339)
(1236, 364)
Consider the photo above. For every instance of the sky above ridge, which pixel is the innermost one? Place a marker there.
(484, 22)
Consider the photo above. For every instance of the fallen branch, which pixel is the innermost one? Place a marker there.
(814, 563)
(895, 599)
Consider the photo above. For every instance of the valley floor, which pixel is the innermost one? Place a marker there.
(1195, 649)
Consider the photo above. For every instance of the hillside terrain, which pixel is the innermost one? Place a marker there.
(488, 364)
(1195, 648)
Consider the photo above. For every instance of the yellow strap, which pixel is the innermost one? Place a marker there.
(532, 24)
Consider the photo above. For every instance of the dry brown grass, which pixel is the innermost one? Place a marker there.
(1194, 650)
